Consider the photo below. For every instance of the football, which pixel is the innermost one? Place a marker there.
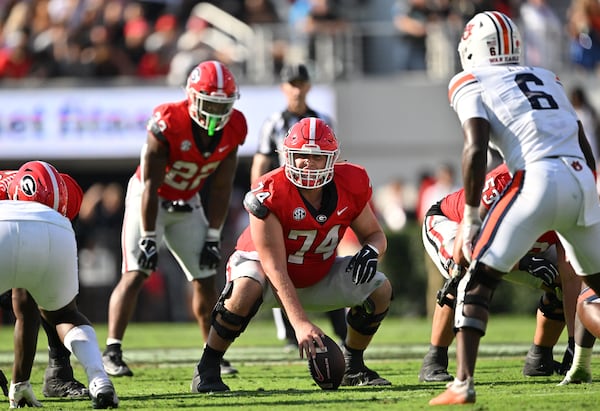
(327, 368)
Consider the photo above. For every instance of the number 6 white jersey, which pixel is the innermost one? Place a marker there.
(529, 112)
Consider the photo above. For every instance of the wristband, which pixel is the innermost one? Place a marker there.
(471, 213)
(213, 234)
(148, 233)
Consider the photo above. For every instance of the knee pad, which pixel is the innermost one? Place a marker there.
(362, 319)
(552, 310)
(468, 295)
(231, 319)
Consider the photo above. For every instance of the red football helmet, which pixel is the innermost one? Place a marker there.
(39, 181)
(310, 136)
(211, 92)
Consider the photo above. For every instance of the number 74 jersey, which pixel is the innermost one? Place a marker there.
(530, 114)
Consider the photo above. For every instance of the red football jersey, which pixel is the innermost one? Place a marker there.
(189, 165)
(311, 239)
(453, 205)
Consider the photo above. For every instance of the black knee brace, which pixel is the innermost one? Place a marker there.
(229, 318)
(362, 319)
(553, 309)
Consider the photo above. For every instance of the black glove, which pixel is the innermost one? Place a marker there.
(148, 253)
(210, 257)
(539, 267)
(363, 265)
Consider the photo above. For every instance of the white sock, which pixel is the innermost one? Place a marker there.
(81, 341)
(582, 358)
(110, 341)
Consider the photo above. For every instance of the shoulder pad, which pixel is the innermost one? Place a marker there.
(254, 206)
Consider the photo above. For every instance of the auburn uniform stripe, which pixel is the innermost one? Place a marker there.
(497, 213)
(458, 84)
(587, 294)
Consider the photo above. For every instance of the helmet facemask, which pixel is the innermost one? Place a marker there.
(306, 177)
(211, 112)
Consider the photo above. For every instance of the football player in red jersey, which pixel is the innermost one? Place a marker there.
(58, 377)
(536, 269)
(287, 256)
(37, 240)
(187, 142)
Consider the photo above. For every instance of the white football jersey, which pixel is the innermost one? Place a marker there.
(530, 114)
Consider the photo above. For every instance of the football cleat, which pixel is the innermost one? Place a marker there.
(577, 376)
(103, 394)
(114, 364)
(209, 381)
(435, 367)
(363, 377)
(60, 382)
(456, 393)
(227, 368)
(539, 362)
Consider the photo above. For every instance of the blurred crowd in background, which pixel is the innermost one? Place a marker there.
(160, 40)
(163, 39)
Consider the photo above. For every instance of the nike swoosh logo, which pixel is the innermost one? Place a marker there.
(340, 212)
(221, 149)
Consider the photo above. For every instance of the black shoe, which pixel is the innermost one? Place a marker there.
(114, 364)
(227, 368)
(435, 367)
(209, 381)
(362, 377)
(539, 362)
(59, 380)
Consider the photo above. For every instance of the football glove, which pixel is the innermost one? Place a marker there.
(210, 257)
(363, 264)
(471, 224)
(539, 267)
(148, 253)
(20, 395)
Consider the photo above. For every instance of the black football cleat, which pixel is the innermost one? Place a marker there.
(207, 382)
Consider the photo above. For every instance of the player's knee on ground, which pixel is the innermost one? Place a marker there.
(475, 292)
(229, 325)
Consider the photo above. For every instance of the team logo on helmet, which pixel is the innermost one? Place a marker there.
(28, 185)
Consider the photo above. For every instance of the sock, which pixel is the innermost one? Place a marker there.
(114, 342)
(353, 358)
(582, 358)
(211, 358)
(81, 341)
(56, 349)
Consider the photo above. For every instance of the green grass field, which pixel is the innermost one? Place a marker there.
(162, 357)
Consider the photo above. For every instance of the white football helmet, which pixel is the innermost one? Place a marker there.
(490, 38)
(310, 136)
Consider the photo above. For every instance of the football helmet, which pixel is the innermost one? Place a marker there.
(211, 91)
(490, 38)
(39, 181)
(310, 136)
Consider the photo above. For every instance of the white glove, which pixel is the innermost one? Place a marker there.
(20, 395)
(471, 224)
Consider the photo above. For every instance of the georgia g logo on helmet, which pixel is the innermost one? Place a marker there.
(28, 185)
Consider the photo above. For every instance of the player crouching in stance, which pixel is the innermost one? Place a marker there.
(38, 253)
(287, 256)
